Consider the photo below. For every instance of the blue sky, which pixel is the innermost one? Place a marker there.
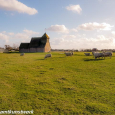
(71, 24)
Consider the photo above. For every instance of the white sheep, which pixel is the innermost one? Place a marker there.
(22, 54)
(98, 55)
(69, 54)
(87, 54)
(48, 55)
(106, 54)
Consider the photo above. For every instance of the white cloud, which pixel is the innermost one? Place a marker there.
(69, 36)
(16, 38)
(74, 30)
(100, 42)
(15, 5)
(58, 28)
(95, 26)
(113, 33)
(74, 8)
(4, 37)
(69, 41)
(26, 36)
(30, 32)
(22, 36)
(11, 33)
(3, 32)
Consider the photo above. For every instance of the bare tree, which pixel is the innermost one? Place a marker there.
(14, 47)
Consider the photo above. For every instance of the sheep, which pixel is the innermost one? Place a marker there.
(106, 54)
(48, 55)
(22, 54)
(69, 54)
(98, 55)
(94, 52)
(87, 54)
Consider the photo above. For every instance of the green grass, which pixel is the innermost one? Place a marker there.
(75, 85)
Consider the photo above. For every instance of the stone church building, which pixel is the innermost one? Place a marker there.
(37, 44)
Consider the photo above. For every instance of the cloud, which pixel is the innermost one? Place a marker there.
(66, 42)
(15, 5)
(11, 33)
(113, 33)
(74, 30)
(22, 36)
(9, 38)
(69, 36)
(58, 28)
(95, 26)
(74, 8)
(26, 35)
(4, 37)
(30, 32)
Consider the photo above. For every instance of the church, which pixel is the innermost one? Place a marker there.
(37, 44)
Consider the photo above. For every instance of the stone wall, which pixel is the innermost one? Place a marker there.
(47, 47)
(36, 49)
(1, 50)
(24, 50)
(40, 49)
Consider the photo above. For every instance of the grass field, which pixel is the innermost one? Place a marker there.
(76, 85)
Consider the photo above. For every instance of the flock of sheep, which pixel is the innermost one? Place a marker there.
(95, 54)
(100, 54)
(67, 54)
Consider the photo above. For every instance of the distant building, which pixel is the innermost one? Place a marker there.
(94, 49)
(37, 44)
(1, 50)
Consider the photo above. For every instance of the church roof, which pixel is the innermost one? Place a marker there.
(36, 42)
(24, 45)
(45, 36)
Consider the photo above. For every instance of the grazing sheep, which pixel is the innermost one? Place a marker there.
(106, 54)
(48, 55)
(69, 54)
(22, 54)
(94, 52)
(98, 55)
(87, 54)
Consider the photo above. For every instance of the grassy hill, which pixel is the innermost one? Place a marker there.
(76, 85)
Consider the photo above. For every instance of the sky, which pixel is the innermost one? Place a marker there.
(70, 24)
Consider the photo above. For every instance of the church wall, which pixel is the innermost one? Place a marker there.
(47, 47)
(36, 49)
(40, 49)
(32, 49)
(23, 50)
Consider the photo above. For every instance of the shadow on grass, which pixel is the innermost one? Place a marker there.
(81, 55)
(87, 59)
(78, 55)
(11, 52)
(52, 58)
(40, 59)
(61, 57)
